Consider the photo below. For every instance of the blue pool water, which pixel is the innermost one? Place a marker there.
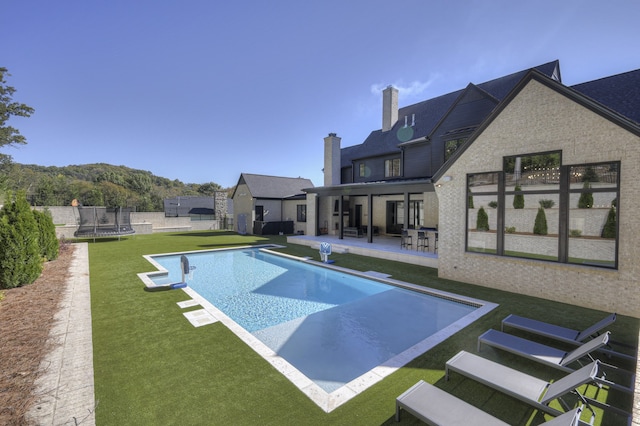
(332, 326)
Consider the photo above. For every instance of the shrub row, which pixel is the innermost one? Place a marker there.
(27, 239)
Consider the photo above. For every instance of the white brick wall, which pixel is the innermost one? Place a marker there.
(540, 119)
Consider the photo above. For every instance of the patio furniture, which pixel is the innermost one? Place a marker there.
(406, 240)
(437, 407)
(550, 356)
(352, 231)
(423, 241)
(529, 389)
(563, 334)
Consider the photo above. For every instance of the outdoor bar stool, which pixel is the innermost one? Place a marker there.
(406, 240)
(423, 241)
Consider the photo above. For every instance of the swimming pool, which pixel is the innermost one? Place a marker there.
(335, 332)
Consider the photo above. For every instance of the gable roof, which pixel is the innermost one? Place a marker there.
(620, 93)
(274, 187)
(620, 96)
(430, 112)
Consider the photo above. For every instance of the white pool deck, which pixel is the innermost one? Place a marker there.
(383, 247)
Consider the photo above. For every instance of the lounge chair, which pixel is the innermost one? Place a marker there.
(551, 356)
(437, 407)
(563, 334)
(528, 389)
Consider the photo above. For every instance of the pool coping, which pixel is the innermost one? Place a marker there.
(330, 401)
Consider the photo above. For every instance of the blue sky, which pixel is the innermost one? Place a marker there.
(202, 90)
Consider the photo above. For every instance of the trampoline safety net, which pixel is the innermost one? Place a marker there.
(104, 222)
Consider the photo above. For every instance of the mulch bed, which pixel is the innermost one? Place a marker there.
(26, 318)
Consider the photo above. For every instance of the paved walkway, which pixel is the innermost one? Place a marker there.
(66, 388)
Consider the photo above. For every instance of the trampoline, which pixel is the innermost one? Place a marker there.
(96, 222)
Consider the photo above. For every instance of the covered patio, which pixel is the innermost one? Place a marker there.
(383, 247)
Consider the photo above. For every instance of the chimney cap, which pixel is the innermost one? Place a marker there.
(333, 134)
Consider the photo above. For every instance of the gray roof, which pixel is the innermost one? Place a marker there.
(429, 113)
(274, 187)
(620, 93)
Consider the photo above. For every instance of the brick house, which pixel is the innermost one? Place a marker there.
(523, 136)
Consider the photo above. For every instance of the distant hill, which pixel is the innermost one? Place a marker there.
(98, 185)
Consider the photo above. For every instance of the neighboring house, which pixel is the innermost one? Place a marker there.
(267, 205)
(384, 184)
(521, 138)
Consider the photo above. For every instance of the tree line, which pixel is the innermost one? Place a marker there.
(98, 185)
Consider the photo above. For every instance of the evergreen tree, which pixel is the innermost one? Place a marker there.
(586, 198)
(518, 199)
(47, 239)
(609, 229)
(540, 226)
(20, 260)
(482, 220)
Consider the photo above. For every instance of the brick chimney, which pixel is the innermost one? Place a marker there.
(332, 160)
(389, 108)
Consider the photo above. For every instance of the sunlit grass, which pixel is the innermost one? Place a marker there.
(153, 367)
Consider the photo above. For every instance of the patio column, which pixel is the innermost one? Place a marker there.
(406, 211)
(369, 218)
(340, 215)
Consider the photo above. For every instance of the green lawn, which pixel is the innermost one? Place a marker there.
(153, 367)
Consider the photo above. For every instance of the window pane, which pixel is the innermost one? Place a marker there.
(597, 175)
(593, 232)
(539, 172)
(481, 230)
(532, 232)
(452, 146)
(483, 182)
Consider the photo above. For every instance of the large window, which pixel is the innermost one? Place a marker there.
(392, 168)
(540, 209)
(301, 210)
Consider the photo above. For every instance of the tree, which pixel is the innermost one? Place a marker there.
(586, 198)
(540, 226)
(609, 230)
(482, 220)
(10, 135)
(209, 188)
(20, 260)
(47, 240)
(518, 199)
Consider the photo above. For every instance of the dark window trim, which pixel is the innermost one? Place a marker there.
(564, 193)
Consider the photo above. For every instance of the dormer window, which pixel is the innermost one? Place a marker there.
(452, 146)
(392, 168)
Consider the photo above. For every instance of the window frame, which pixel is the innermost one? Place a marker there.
(301, 212)
(392, 168)
(563, 192)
